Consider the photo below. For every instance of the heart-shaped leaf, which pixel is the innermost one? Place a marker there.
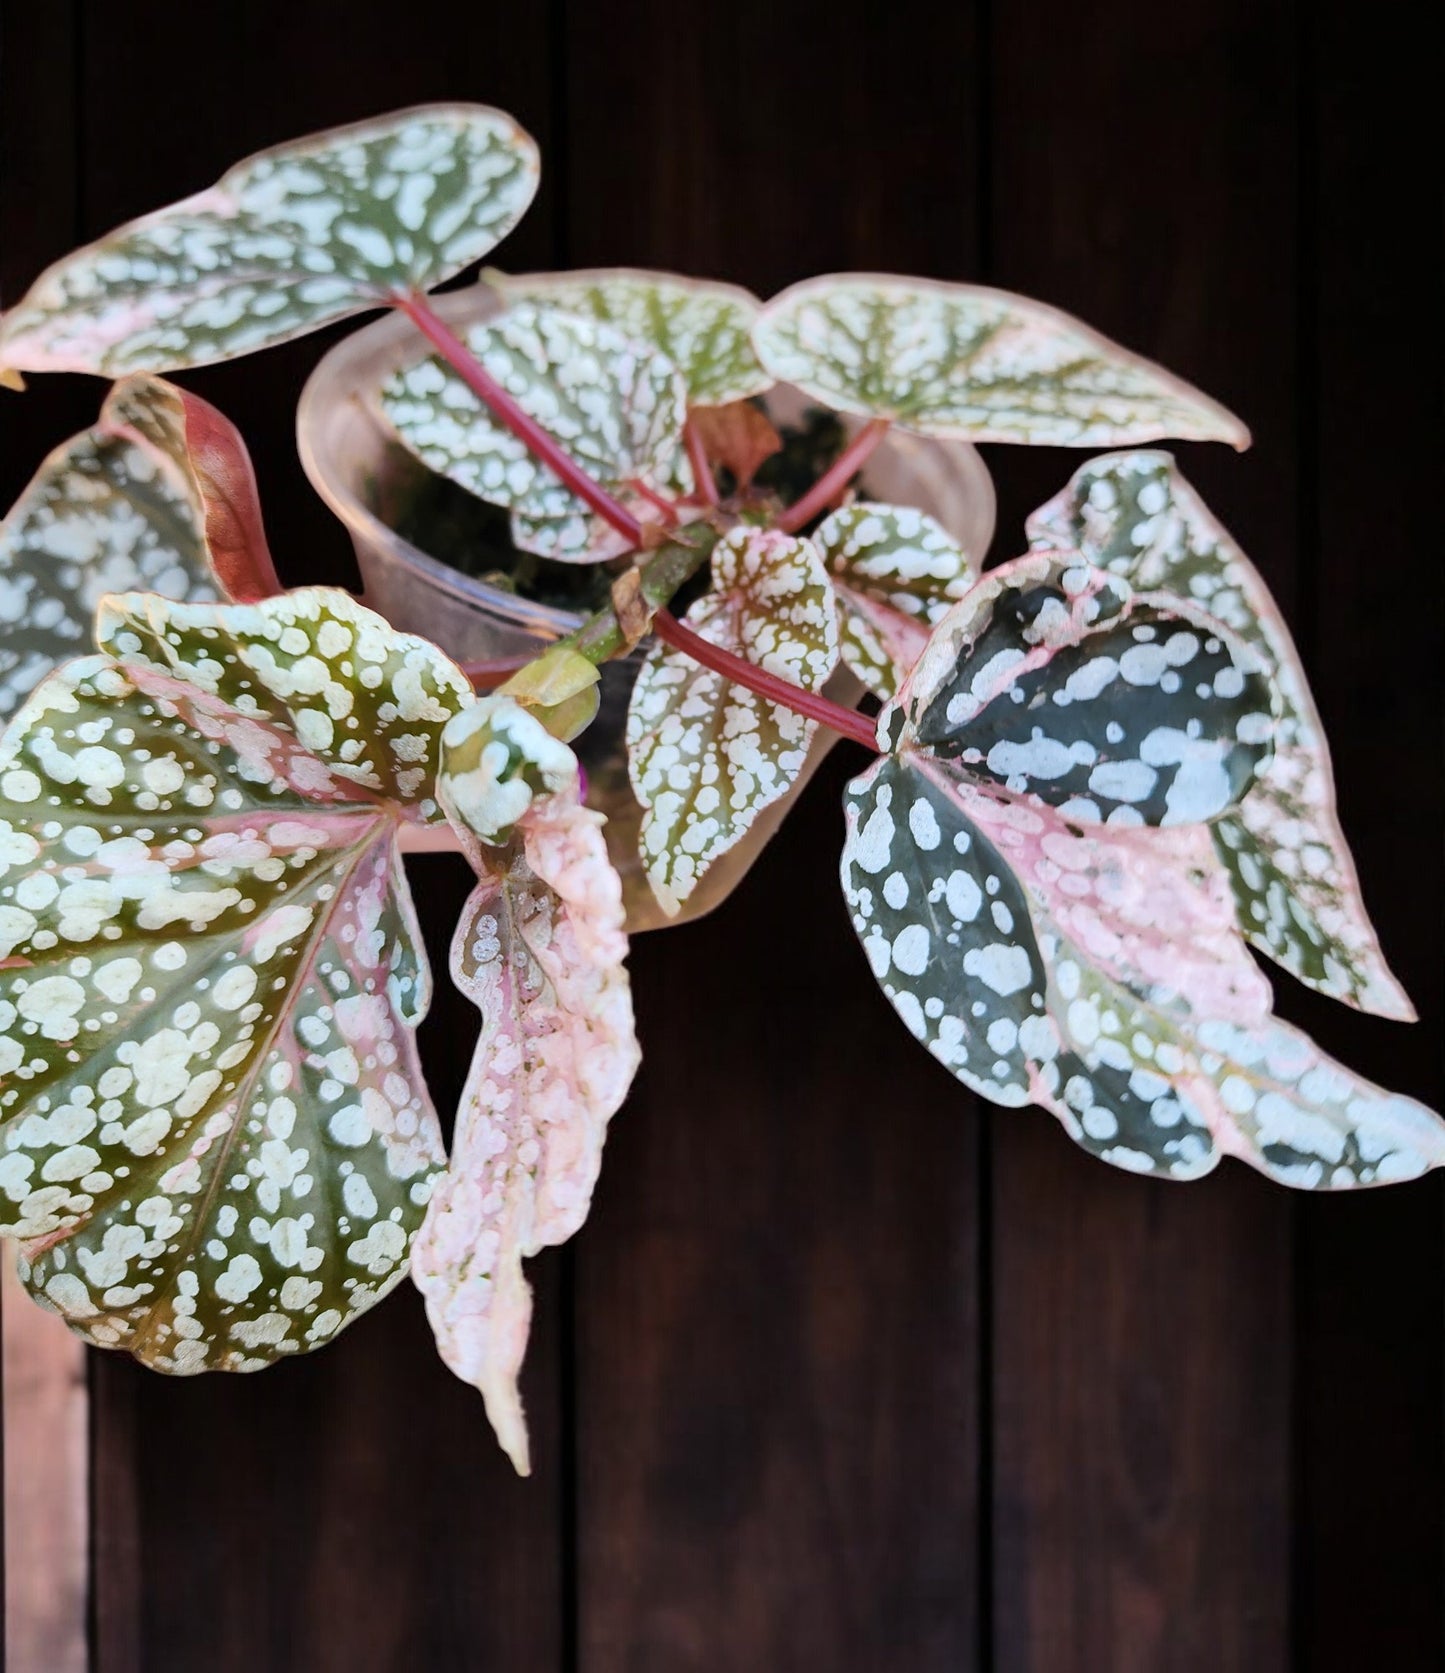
(540, 951)
(216, 1140)
(616, 409)
(701, 326)
(896, 573)
(159, 496)
(984, 365)
(284, 242)
(706, 756)
(1053, 677)
(1039, 964)
(1290, 867)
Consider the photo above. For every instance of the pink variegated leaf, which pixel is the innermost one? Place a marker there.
(1290, 868)
(895, 572)
(706, 756)
(215, 1141)
(1073, 970)
(284, 242)
(977, 364)
(540, 951)
(1053, 677)
(158, 495)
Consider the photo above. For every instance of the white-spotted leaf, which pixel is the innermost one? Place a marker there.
(1290, 868)
(616, 409)
(540, 951)
(979, 364)
(706, 756)
(1100, 975)
(159, 496)
(1053, 677)
(284, 242)
(701, 326)
(896, 572)
(216, 1142)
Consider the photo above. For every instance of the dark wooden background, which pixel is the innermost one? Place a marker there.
(849, 1373)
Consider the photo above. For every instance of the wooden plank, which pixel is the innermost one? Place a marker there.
(776, 1363)
(1143, 175)
(1371, 1374)
(349, 1510)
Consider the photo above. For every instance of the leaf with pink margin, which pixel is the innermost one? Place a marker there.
(706, 756)
(896, 573)
(539, 950)
(977, 364)
(215, 1140)
(1294, 882)
(158, 496)
(286, 241)
(970, 931)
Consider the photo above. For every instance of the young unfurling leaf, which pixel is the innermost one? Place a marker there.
(1289, 865)
(1101, 976)
(616, 409)
(540, 951)
(284, 242)
(158, 495)
(896, 573)
(706, 756)
(699, 325)
(216, 1138)
(982, 365)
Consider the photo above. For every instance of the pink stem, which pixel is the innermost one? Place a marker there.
(848, 722)
(701, 469)
(654, 499)
(487, 390)
(830, 485)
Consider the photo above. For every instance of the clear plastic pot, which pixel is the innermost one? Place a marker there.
(354, 461)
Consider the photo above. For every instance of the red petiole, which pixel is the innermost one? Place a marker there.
(701, 468)
(828, 489)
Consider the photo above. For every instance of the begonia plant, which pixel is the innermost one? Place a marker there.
(1097, 776)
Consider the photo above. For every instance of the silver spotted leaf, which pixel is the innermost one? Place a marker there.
(707, 756)
(158, 496)
(539, 950)
(1099, 974)
(896, 572)
(984, 365)
(215, 1141)
(701, 326)
(616, 409)
(1053, 677)
(1290, 868)
(284, 242)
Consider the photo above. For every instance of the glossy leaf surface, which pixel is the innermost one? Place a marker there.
(284, 242)
(706, 756)
(1290, 868)
(216, 1139)
(979, 364)
(540, 951)
(615, 408)
(701, 326)
(896, 573)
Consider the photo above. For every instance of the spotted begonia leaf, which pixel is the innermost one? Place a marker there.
(1294, 882)
(1100, 974)
(540, 951)
(706, 756)
(896, 572)
(615, 408)
(284, 242)
(1052, 676)
(216, 1142)
(158, 495)
(965, 361)
(701, 326)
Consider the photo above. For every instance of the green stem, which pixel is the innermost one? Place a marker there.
(670, 567)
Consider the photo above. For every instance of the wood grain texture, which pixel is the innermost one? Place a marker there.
(1141, 1353)
(776, 1370)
